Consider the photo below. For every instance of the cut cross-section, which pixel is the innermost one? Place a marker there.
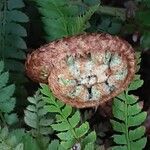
(85, 70)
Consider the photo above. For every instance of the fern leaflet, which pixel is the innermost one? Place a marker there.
(128, 119)
(63, 18)
(12, 33)
(68, 127)
(7, 102)
(38, 119)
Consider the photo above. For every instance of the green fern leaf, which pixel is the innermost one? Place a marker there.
(119, 148)
(36, 116)
(139, 144)
(53, 145)
(63, 17)
(16, 29)
(117, 126)
(136, 83)
(129, 114)
(74, 120)
(64, 136)
(137, 119)
(90, 138)
(89, 146)
(11, 140)
(63, 126)
(82, 130)
(11, 39)
(17, 16)
(7, 102)
(68, 124)
(13, 4)
(136, 133)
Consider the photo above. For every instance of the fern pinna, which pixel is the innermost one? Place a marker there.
(70, 131)
(7, 101)
(12, 33)
(38, 119)
(63, 18)
(128, 119)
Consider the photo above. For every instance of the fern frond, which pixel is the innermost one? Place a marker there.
(12, 33)
(38, 119)
(128, 117)
(11, 140)
(63, 18)
(7, 101)
(68, 125)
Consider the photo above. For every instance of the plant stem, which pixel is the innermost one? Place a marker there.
(113, 11)
(126, 125)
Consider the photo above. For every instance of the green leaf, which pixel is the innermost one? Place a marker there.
(53, 145)
(120, 139)
(118, 104)
(89, 146)
(117, 126)
(82, 130)
(59, 118)
(140, 144)
(90, 138)
(11, 118)
(14, 65)
(16, 29)
(63, 126)
(119, 148)
(136, 83)
(6, 92)
(46, 91)
(131, 99)
(30, 143)
(74, 120)
(15, 4)
(93, 2)
(4, 79)
(143, 17)
(68, 144)
(8, 106)
(31, 108)
(145, 40)
(45, 122)
(136, 133)
(17, 16)
(67, 110)
(137, 119)
(16, 42)
(118, 114)
(1, 66)
(20, 146)
(65, 136)
(13, 53)
(45, 130)
(134, 109)
(30, 119)
(51, 108)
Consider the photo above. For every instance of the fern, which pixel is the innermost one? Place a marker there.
(63, 18)
(7, 102)
(68, 127)
(12, 33)
(11, 140)
(129, 117)
(37, 118)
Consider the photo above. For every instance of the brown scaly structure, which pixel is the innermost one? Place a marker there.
(86, 70)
